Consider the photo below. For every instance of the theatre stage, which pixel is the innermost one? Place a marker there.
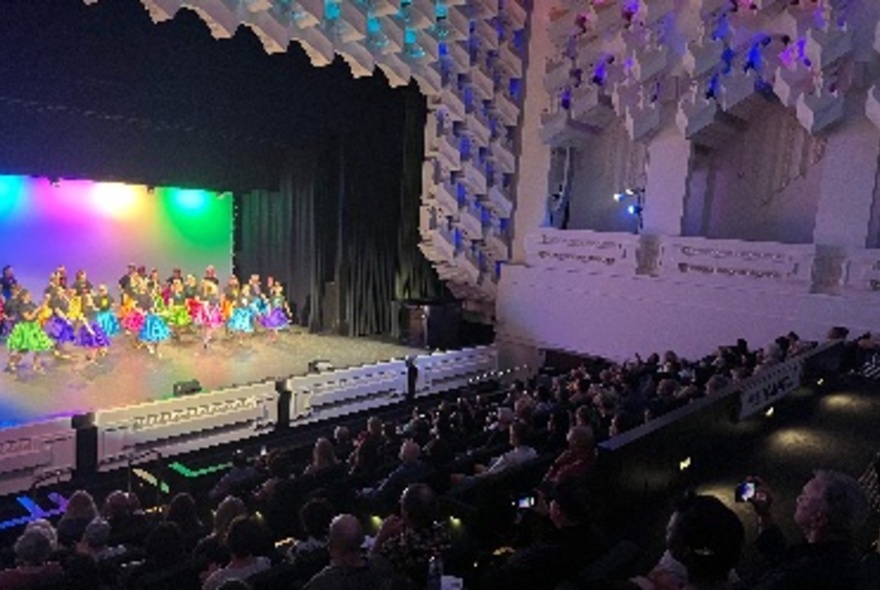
(128, 375)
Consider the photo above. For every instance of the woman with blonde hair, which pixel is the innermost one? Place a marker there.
(323, 457)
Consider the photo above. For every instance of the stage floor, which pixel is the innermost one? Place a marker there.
(128, 375)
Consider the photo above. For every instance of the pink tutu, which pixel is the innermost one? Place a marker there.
(209, 316)
(134, 321)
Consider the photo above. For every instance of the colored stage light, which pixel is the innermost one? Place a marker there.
(190, 200)
(117, 200)
(194, 473)
(13, 197)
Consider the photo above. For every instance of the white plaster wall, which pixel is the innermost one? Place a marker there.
(764, 187)
(617, 317)
(534, 157)
(606, 164)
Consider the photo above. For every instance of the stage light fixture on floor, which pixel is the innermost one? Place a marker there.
(190, 387)
(320, 366)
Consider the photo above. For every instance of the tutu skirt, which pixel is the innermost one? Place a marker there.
(133, 321)
(109, 324)
(241, 320)
(29, 337)
(96, 338)
(193, 306)
(155, 329)
(178, 316)
(59, 330)
(209, 316)
(227, 309)
(275, 319)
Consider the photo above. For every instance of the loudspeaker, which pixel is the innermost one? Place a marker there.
(186, 387)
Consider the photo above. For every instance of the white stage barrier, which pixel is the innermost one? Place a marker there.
(184, 424)
(31, 452)
(328, 395)
(444, 371)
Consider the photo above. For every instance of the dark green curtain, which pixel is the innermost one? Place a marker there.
(342, 232)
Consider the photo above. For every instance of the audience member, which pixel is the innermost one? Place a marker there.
(572, 544)
(342, 442)
(245, 541)
(830, 510)
(310, 555)
(704, 540)
(349, 568)
(323, 458)
(81, 510)
(33, 568)
(410, 540)
(368, 452)
(576, 462)
(212, 552)
(240, 478)
(183, 512)
(410, 470)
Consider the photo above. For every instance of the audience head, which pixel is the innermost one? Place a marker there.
(346, 537)
(164, 545)
(81, 505)
(239, 457)
(707, 537)
(831, 506)
(33, 547)
(341, 434)
(97, 533)
(281, 465)
(323, 453)
(418, 506)
(230, 508)
(374, 426)
(409, 451)
(46, 528)
(581, 439)
(183, 511)
(315, 517)
(245, 537)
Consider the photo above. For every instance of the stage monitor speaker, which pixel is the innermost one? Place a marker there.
(182, 388)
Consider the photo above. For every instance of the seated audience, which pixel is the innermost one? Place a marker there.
(164, 550)
(310, 555)
(128, 523)
(342, 442)
(830, 510)
(239, 479)
(704, 540)
(572, 544)
(410, 540)
(410, 470)
(81, 510)
(323, 458)
(577, 461)
(212, 552)
(245, 541)
(33, 568)
(369, 449)
(349, 568)
(183, 512)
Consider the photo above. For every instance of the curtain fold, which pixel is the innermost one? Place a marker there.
(342, 232)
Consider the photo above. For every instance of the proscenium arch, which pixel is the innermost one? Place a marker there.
(467, 57)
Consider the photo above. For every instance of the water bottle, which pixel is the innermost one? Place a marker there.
(435, 572)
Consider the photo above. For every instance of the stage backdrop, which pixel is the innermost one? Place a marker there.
(101, 227)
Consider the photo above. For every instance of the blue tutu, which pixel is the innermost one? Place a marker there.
(260, 306)
(241, 320)
(154, 330)
(96, 338)
(275, 320)
(59, 330)
(109, 323)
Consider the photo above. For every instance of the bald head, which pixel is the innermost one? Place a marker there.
(580, 438)
(346, 536)
(410, 451)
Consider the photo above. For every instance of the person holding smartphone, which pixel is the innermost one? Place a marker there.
(830, 510)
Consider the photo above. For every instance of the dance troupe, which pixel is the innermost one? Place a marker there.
(151, 311)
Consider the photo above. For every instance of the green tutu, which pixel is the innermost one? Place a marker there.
(177, 316)
(29, 337)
